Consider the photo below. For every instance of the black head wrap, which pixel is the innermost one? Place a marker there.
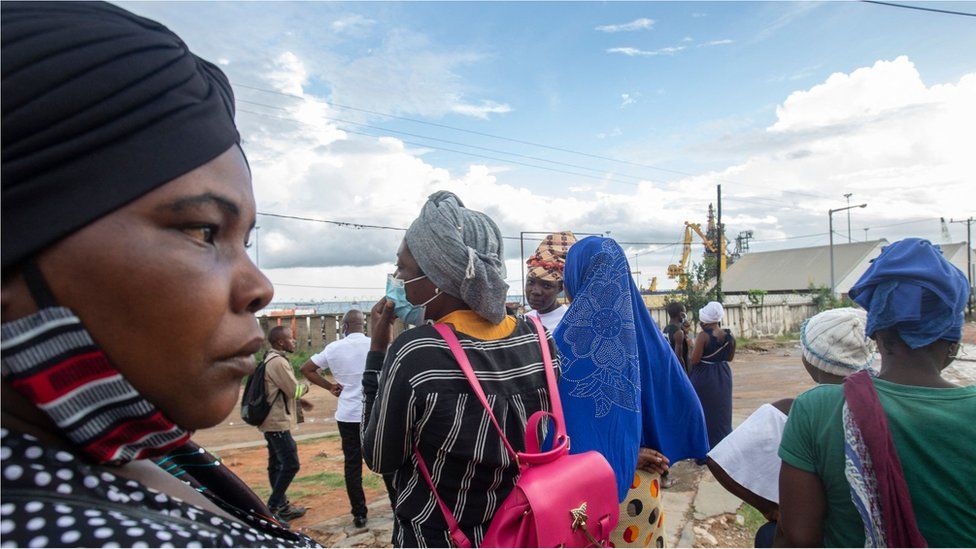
(100, 106)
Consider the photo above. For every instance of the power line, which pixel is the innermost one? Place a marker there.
(920, 8)
(325, 287)
(489, 149)
(333, 222)
(429, 146)
(513, 140)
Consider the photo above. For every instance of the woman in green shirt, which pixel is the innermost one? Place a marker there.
(889, 461)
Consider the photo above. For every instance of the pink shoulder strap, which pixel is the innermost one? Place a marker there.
(457, 536)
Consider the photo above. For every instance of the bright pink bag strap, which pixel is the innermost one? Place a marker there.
(457, 536)
(557, 404)
(462, 360)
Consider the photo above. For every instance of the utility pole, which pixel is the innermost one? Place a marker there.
(721, 249)
(830, 227)
(848, 197)
(969, 259)
(866, 229)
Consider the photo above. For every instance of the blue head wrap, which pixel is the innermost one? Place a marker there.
(621, 386)
(913, 289)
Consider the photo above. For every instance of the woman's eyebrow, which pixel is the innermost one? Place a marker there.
(222, 202)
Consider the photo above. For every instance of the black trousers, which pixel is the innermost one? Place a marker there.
(282, 465)
(352, 450)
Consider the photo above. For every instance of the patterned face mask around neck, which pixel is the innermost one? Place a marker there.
(50, 358)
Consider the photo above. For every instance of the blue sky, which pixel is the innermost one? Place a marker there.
(787, 104)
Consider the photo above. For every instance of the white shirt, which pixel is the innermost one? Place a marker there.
(346, 359)
(551, 319)
(749, 453)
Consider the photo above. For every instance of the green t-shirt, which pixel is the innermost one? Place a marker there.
(934, 431)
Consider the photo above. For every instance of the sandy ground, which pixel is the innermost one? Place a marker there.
(762, 373)
(757, 378)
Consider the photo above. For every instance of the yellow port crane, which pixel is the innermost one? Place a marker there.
(679, 270)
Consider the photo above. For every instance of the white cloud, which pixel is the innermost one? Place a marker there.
(615, 132)
(687, 39)
(794, 11)
(627, 99)
(637, 24)
(878, 132)
(352, 24)
(798, 74)
(481, 110)
(698, 14)
(716, 43)
(289, 75)
(635, 52)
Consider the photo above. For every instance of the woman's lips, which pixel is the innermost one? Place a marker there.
(240, 365)
(242, 361)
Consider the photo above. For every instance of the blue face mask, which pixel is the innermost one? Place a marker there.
(396, 291)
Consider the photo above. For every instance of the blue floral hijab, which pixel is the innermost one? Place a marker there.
(621, 386)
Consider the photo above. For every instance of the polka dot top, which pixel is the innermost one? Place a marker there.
(50, 498)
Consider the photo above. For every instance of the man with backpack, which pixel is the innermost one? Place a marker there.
(283, 394)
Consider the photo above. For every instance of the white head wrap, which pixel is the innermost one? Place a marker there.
(834, 341)
(711, 313)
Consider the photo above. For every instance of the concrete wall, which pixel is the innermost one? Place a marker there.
(754, 321)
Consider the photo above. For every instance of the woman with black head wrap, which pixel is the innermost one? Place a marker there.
(128, 298)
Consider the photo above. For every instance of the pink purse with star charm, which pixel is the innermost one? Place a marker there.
(559, 499)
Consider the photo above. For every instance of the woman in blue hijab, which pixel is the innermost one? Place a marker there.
(622, 387)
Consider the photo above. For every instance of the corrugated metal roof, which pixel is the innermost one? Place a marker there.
(797, 268)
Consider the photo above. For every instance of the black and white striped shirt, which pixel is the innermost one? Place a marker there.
(417, 394)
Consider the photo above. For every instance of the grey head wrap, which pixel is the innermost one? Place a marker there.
(461, 251)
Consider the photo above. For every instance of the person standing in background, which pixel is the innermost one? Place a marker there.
(346, 360)
(710, 372)
(284, 394)
(676, 333)
(544, 282)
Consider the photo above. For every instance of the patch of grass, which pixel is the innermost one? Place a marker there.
(328, 479)
(754, 519)
(742, 342)
(787, 337)
(325, 436)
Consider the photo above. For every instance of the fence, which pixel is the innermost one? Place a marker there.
(314, 332)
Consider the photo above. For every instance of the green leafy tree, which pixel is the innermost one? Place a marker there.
(757, 297)
(824, 299)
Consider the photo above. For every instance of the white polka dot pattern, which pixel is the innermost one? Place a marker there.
(50, 498)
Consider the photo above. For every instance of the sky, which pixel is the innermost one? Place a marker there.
(611, 117)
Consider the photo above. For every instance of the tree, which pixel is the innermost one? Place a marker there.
(824, 299)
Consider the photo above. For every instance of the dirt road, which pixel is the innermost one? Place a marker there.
(758, 377)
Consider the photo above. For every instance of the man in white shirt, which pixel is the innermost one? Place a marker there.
(544, 282)
(346, 359)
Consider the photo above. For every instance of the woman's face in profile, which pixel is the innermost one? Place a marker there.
(166, 288)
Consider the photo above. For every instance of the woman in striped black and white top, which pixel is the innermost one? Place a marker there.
(416, 394)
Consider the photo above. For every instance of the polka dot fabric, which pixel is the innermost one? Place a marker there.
(52, 499)
(641, 515)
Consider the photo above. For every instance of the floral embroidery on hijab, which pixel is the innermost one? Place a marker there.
(600, 329)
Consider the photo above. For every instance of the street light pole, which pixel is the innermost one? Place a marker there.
(830, 226)
(848, 197)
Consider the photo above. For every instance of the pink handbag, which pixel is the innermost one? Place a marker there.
(559, 500)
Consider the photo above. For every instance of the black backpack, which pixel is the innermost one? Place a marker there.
(254, 405)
